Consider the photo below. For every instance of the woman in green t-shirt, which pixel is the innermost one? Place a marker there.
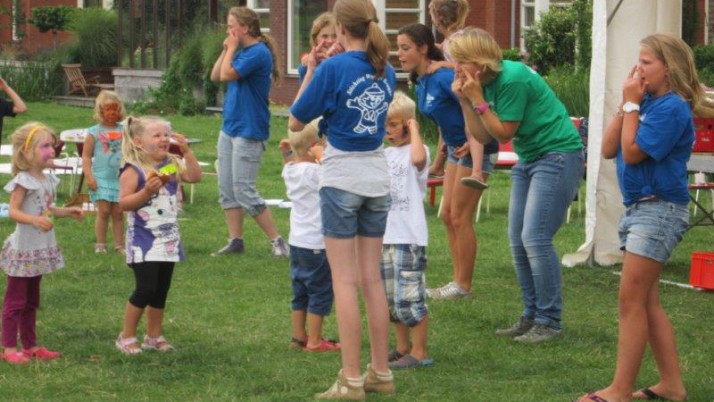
(509, 101)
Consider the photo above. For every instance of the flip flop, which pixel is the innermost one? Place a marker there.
(409, 362)
(394, 355)
(593, 397)
(652, 396)
(474, 183)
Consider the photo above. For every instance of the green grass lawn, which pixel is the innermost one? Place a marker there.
(229, 316)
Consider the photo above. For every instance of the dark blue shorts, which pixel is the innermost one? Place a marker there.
(311, 281)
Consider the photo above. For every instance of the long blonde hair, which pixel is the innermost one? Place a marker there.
(359, 18)
(104, 97)
(249, 18)
(474, 45)
(24, 140)
(131, 153)
(448, 15)
(682, 75)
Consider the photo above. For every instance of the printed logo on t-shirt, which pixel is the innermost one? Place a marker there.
(371, 103)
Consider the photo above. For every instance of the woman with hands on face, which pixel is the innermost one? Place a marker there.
(506, 101)
(416, 52)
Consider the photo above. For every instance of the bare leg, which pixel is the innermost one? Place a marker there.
(117, 225)
(265, 221)
(132, 315)
(343, 263)
(101, 220)
(639, 277)
(298, 319)
(402, 335)
(234, 220)
(463, 204)
(437, 166)
(154, 321)
(314, 335)
(476, 151)
(369, 253)
(450, 181)
(419, 332)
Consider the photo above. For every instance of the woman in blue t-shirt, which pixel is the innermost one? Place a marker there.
(416, 52)
(352, 91)
(323, 34)
(248, 64)
(651, 138)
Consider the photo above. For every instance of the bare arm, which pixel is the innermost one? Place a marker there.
(129, 198)
(633, 91)
(611, 137)
(18, 105)
(416, 150)
(216, 70)
(87, 153)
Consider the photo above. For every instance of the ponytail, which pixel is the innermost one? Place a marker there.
(359, 18)
(250, 19)
(272, 46)
(377, 48)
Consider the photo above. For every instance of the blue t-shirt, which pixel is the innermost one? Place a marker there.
(245, 108)
(302, 70)
(666, 135)
(353, 102)
(438, 102)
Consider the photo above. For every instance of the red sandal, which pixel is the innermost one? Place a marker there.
(325, 345)
(41, 353)
(15, 358)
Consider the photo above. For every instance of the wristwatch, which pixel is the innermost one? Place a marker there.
(481, 108)
(630, 107)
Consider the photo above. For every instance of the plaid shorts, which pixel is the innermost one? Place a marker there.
(403, 267)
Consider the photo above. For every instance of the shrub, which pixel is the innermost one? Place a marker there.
(51, 18)
(34, 81)
(561, 37)
(572, 87)
(704, 59)
(95, 30)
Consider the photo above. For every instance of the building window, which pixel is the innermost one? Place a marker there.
(531, 11)
(262, 8)
(17, 21)
(301, 14)
(92, 3)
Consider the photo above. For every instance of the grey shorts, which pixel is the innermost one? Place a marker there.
(238, 165)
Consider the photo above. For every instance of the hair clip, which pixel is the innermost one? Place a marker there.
(35, 129)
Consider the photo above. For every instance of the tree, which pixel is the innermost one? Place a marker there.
(51, 18)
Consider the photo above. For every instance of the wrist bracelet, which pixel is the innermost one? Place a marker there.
(481, 108)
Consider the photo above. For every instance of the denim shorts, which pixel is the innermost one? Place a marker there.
(403, 267)
(489, 160)
(311, 281)
(652, 228)
(346, 215)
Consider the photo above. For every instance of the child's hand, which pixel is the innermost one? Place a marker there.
(43, 223)
(3, 84)
(413, 126)
(153, 185)
(181, 141)
(431, 69)
(284, 145)
(75, 213)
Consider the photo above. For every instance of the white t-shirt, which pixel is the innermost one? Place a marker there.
(406, 222)
(361, 173)
(301, 181)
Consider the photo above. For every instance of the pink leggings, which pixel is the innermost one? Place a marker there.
(19, 309)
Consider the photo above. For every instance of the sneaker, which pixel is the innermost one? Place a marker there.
(521, 327)
(539, 333)
(342, 389)
(158, 343)
(15, 358)
(280, 249)
(379, 383)
(233, 246)
(451, 291)
(100, 248)
(41, 353)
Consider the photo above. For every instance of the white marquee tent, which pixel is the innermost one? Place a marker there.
(618, 26)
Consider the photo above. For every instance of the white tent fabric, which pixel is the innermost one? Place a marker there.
(615, 48)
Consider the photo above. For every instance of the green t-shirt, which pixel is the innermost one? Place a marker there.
(519, 94)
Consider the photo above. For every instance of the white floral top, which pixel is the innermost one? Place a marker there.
(29, 251)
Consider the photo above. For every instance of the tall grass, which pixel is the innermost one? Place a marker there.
(572, 87)
(34, 80)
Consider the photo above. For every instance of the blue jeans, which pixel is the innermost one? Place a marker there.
(238, 165)
(311, 281)
(541, 192)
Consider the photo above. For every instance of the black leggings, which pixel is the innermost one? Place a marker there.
(153, 280)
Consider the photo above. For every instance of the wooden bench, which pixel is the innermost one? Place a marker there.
(77, 82)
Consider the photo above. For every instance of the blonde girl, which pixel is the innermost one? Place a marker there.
(248, 75)
(651, 138)
(322, 33)
(352, 90)
(31, 251)
(449, 16)
(149, 186)
(100, 163)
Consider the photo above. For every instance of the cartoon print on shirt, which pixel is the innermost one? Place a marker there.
(155, 218)
(400, 198)
(111, 142)
(371, 104)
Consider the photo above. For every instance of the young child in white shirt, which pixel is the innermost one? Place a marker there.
(406, 236)
(309, 269)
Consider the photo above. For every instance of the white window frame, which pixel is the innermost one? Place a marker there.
(539, 7)
(252, 5)
(106, 4)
